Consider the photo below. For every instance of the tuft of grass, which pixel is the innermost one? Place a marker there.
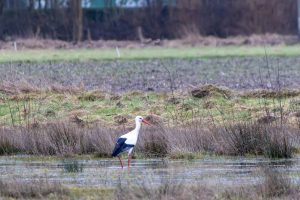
(275, 184)
(72, 166)
(91, 96)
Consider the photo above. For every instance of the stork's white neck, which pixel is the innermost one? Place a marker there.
(137, 127)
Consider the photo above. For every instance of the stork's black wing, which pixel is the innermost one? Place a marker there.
(121, 146)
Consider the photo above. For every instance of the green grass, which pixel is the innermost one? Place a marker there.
(42, 55)
(48, 106)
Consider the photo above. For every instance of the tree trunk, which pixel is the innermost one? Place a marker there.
(76, 10)
(1, 6)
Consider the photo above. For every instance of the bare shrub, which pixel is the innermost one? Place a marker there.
(57, 138)
(192, 137)
(102, 140)
(154, 142)
(257, 139)
(278, 142)
(240, 139)
(7, 142)
(65, 138)
(38, 189)
(172, 141)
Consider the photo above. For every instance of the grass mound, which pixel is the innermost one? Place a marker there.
(211, 90)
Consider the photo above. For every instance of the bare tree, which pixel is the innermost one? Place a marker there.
(77, 15)
(1, 6)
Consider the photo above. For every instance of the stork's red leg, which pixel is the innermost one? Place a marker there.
(129, 159)
(120, 162)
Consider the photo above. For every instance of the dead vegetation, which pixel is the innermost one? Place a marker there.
(188, 39)
(273, 141)
(271, 94)
(24, 87)
(28, 190)
(63, 138)
(211, 90)
(274, 185)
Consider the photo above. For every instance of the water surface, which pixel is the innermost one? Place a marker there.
(108, 173)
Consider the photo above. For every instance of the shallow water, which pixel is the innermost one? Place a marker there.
(107, 173)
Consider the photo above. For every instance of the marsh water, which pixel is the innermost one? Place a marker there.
(108, 173)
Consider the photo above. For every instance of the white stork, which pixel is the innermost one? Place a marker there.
(128, 141)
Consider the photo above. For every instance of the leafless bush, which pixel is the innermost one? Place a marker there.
(57, 139)
(7, 142)
(38, 189)
(241, 139)
(170, 141)
(154, 142)
(61, 138)
(258, 139)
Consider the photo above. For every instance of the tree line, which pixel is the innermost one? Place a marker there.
(68, 20)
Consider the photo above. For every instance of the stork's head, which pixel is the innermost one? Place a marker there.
(139, 119)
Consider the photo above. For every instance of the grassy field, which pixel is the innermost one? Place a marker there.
(113, 110)
(42, 55)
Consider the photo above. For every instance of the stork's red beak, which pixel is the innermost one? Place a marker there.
(146, 122)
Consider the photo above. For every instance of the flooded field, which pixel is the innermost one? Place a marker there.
(107, 173)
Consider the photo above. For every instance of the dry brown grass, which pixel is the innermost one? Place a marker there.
(26, 190)
(67, 138)
(273, 141)
(274, 185)
(57, 139)
(24, 87)
(165, 190)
